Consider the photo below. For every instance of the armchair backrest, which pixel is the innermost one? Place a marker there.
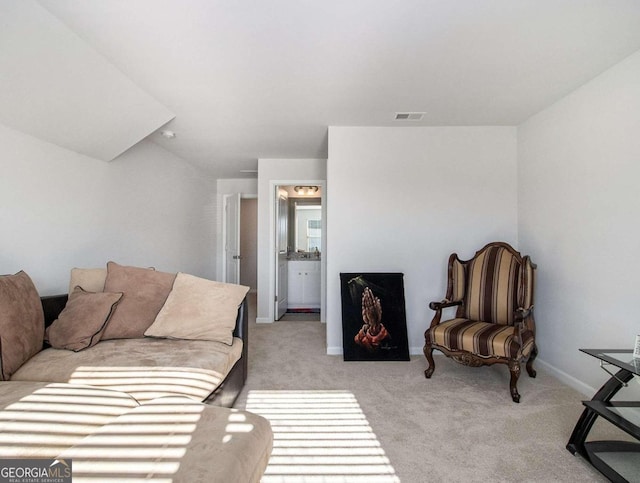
(493, 284)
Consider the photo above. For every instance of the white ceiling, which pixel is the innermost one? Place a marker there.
(251, 79)
(56, 87)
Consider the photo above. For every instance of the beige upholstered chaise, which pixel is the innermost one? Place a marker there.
(141, 403)
(109, 436)
(494, 323)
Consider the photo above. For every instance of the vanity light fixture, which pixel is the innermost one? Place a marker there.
(306, 190)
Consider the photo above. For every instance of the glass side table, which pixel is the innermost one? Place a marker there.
(617, 460)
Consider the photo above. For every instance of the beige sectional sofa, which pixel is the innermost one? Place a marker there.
(130, 406)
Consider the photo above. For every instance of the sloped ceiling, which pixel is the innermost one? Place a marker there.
(251, 79)
(56, 87)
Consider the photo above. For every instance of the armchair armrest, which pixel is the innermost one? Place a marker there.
(520, 316)
(522, 313)
(443, 304)
(438, 306)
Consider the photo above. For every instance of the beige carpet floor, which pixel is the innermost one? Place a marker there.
(337, 421)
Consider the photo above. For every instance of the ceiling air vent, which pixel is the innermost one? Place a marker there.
(409, 116)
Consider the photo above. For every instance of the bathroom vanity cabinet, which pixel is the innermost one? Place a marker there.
(304, 284)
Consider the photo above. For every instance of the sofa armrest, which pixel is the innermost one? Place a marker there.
(242, 321)
(52, 305)
(242, 331)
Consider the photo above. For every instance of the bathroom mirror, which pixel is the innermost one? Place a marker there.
(306, 215)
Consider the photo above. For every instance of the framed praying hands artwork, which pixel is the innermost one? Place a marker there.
(374, 322)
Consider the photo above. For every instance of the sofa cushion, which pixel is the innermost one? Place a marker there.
(21, 322)
(90, 279)
(186, 442)
(41, 419)
(145, 291)
(83, 320)
(199, 309)
(145, 368)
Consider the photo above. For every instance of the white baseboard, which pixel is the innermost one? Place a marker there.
(565, 378)
(569, 380)
(562, 376)
(416, 351)
(334, 351)
(263, 320)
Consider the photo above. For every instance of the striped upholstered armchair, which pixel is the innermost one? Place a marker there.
(493, 293)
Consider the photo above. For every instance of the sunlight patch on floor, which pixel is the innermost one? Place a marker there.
(320, 436)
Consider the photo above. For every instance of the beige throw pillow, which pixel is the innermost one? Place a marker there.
(199, 309)
(90, 279)
(83, 320)
(145, 291)
(21, 322)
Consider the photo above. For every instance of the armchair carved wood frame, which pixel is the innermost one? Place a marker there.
(494, 323)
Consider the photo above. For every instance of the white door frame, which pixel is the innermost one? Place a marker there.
(273, 190)
(281, 275)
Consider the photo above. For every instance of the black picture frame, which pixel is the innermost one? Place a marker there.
(384, 338)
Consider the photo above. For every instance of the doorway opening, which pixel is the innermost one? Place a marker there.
(249, 243)
(240, 239)
(299, 237)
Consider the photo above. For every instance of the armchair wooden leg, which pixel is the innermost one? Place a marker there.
(428, 353)
(532, 357)
(514, 368)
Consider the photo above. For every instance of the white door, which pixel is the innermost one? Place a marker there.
(282, 240)
(232, 238)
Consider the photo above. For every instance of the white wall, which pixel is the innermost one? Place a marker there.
(244, 186)
(272, 172)
(60, 209)
(403, 199)
(579, 208)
